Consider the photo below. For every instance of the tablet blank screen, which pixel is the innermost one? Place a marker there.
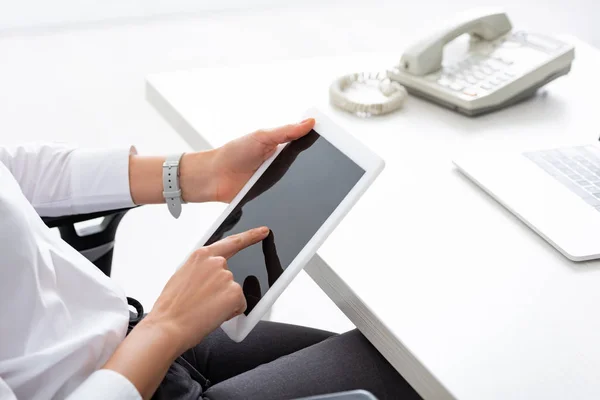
(293, 197)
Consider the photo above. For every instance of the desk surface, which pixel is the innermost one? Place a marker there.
(461, 297)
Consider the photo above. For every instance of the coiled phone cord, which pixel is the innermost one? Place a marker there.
(394, 92)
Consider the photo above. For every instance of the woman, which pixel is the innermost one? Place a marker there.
(63, 330)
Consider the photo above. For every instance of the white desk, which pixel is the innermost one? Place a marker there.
(462, 298)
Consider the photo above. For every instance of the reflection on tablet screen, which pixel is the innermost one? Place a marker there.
(293, 197)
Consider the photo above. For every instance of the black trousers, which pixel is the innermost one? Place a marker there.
(280, 361)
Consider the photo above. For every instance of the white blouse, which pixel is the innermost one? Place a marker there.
(60, 317)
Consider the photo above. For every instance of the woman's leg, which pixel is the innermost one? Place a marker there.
(219, 358)
(339, 363)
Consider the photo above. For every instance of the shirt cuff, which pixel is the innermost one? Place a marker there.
(100, 180)
(106, 384)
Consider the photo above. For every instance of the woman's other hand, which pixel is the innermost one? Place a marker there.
(219, 174)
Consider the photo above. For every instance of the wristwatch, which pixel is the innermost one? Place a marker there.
(171, 189)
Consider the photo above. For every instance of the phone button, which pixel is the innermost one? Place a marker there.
(494, 65)
(444, 82)
(511, 44)
(487, 70)
(470, 92)
(456, 86)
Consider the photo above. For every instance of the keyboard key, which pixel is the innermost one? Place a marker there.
(592, 201)
(576, 168)
(573, 187)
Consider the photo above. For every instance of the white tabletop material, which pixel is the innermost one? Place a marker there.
(460, 296)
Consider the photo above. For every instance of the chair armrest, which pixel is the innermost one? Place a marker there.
(55, 222)
(96, 243)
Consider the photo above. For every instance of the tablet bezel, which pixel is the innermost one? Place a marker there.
(238, 327)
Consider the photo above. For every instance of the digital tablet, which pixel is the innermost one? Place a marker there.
(300, 193)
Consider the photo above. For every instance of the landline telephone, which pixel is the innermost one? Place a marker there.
(500, 68)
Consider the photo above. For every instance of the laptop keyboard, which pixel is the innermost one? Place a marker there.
(577, 168)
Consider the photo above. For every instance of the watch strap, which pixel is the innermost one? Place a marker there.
(171, 189)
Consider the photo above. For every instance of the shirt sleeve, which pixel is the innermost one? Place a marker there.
(64, 180)
(5, 392)
(105, 384)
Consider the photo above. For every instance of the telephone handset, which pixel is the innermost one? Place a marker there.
(501, 67)
(425, 56)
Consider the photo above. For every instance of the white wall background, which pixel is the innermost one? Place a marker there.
(575, 16)
(27, 13)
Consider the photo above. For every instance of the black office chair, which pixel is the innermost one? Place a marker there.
(97, 243)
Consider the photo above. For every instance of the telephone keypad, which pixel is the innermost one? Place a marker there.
(476, 75)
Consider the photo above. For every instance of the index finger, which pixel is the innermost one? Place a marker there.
(229, 246)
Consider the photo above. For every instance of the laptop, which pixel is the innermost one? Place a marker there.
(556, 192)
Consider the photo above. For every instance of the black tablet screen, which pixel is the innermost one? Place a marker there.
(293, 197)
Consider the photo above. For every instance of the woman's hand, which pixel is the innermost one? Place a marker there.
(214, 175)
(218, 175)
(198, 298)
(202, 294)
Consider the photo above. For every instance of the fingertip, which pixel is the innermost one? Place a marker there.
(307, 125)
(263, 230)
(307, 121)
(301, 129)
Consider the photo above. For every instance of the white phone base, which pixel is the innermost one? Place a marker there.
(501, 67)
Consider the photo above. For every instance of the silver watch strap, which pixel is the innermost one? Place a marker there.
(171, 189)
